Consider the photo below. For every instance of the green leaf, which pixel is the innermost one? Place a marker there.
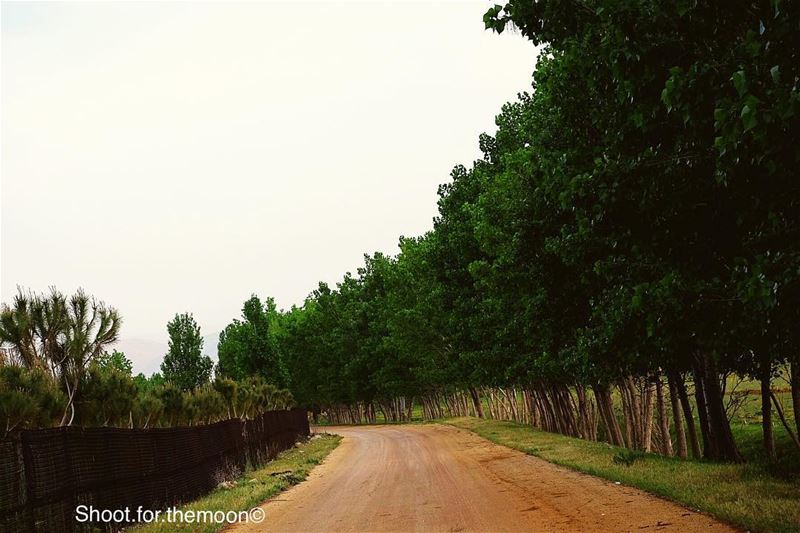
(748, 116)
(775, 72)
(491, 20)
(740, 82)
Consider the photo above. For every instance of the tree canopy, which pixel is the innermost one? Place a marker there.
(635, 215)
(248, 346)
(184, 365)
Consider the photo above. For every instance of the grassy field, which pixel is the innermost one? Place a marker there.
(754, 496)
(289, 468)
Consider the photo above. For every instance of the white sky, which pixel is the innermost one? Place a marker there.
(172, 157)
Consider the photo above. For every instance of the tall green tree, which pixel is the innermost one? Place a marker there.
(184, 365)
(249, 346)
(634, 216)
(60, 334)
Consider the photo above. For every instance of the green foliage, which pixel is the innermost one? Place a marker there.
(117, 360)
(60, 335)
(107, 395)
(228, 390)
(637, 212)
(249, 347)
(203, 405)
(28, 398)
(184, 365)
(143, 383)
(172, 402)
(148, 409)
(50, 341)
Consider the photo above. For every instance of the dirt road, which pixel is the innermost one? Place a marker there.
(439, 478)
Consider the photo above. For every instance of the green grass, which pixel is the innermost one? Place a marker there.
(289, 468)
(753, 496)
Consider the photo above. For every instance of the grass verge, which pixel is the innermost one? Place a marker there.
(749, 496)
(289, 468)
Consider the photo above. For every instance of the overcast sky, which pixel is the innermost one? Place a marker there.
(172, 157)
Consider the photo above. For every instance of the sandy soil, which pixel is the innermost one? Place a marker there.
(439, 478)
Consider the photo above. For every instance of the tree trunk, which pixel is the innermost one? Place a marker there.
(766, 410)
(779, 409)
(536, 420)
(683, 396)
(680, 431)
(562, 402)
(663, 421)
(626, 413)
(552, 423)
(647, 418)
(794, 379)
(709, 444)
(584, 424)
(724, 447)
(635, 408)
(605, 405)
(489, 395)
(476, 402)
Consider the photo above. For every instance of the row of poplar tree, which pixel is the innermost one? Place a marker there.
(629, 238)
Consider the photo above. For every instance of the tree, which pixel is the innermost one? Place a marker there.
(144, 383)
(116, 360)
(29, 398)
(634, 216)
(61, 334)
(107, 396)
(184, 365)
(249, 347)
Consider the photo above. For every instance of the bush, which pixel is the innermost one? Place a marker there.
(28, 398)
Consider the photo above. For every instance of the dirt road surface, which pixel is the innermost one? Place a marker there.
(442, 479)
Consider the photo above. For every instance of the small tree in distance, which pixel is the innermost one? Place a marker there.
(116, 360)
(184, 364)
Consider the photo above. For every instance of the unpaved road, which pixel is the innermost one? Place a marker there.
(439, 478)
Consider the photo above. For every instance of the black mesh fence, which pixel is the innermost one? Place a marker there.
(46, 474)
